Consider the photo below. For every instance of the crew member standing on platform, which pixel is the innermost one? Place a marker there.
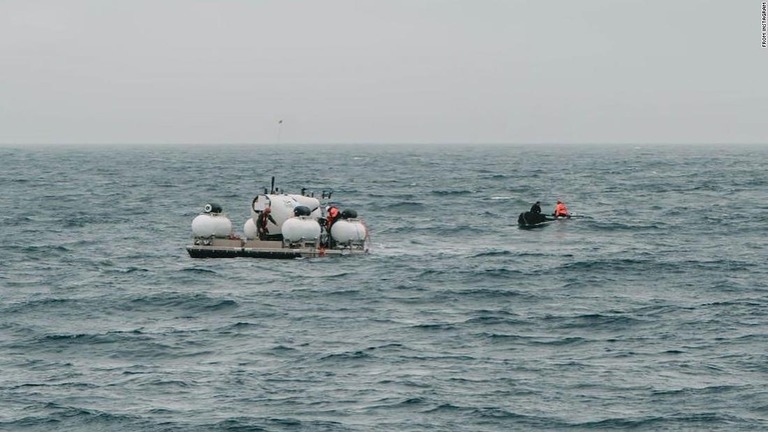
(261, 225)
(333, 214)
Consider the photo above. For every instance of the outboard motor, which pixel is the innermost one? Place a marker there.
(348, 214)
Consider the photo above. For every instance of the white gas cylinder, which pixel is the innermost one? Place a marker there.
(349, 230)
(211, 225)
(302, 228)
(249, 229)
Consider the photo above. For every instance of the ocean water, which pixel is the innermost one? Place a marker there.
(649, 312)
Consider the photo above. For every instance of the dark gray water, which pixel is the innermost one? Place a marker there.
(649, 312)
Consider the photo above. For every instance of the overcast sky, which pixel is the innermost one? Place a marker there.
(382, 71)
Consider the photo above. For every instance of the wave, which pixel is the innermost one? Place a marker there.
(494, 253)
(480, 277)
(259, 424)
(434, 326)
(200, 270)
(67, 385)
(55, 303)
(45, 249)
(501, 417)
(612, 265)
(488, 317)
(199, 303)
(402, 207)
(630, 226)
(127, 270)
(55, 416)
(502, 414)
(452, 193)
(347, 356)
(510, 253)
(62, 340)
(595, 320)
(675, 421)
(240, 325)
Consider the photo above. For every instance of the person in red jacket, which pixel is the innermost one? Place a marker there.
(561, 210)
(333, 214)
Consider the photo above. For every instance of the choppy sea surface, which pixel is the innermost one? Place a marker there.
(649, 312)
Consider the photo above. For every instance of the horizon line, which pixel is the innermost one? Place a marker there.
(546, 143)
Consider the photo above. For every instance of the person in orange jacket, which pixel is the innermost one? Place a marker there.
(561, 210)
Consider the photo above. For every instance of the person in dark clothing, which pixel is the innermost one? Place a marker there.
(532, 216)
(261, 226)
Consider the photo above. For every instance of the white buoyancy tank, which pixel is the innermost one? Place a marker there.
(211, 225)
(249, 229)
(349, 231)
(311, 202)
(302, 228)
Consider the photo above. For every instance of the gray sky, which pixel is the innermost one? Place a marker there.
(384, 71)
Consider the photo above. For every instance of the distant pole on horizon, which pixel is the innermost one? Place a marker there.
(279, 130)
